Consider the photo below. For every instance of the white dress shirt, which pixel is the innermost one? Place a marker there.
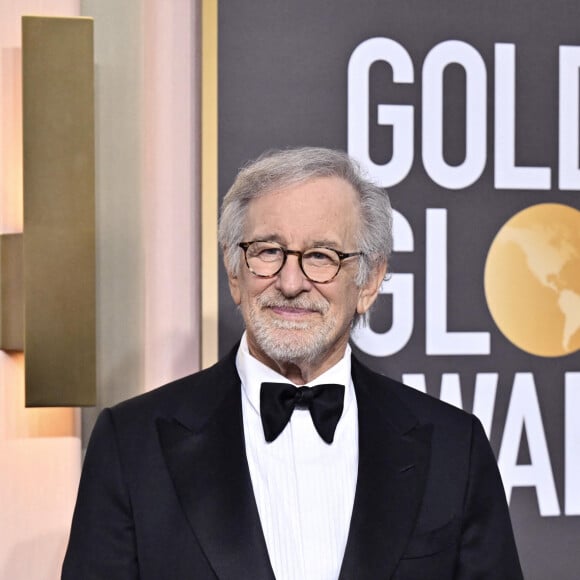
(304, 487)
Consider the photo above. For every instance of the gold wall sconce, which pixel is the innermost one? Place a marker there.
(47, 273)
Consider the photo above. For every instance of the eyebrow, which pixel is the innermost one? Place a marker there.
(320, 243)
(325, 244)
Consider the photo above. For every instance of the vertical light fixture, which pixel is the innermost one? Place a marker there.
(209, 182)
(58, 244)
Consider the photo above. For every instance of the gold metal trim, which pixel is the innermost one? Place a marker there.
(209, 183)
(11, 293)
(59, 211)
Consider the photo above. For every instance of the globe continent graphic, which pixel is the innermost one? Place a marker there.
(532, 280)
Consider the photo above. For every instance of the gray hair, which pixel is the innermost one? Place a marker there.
(282, 168)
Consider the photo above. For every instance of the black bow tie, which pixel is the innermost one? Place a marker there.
(278, 401)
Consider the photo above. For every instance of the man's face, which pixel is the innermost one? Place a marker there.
(288, 318)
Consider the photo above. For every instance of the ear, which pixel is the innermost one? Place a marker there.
(234, 284)
(369, 292)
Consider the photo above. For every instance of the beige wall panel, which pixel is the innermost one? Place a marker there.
(118, 35)
(147, 195)
(170, 190)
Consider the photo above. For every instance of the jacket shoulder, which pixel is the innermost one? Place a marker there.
(424, 407)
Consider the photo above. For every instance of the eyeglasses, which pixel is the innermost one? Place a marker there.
(266, 259)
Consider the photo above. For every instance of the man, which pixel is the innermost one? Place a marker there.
(234, 473)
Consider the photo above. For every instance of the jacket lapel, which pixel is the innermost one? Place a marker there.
(393, 464)
(205, 453)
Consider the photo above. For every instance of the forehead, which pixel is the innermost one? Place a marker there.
(324, 209)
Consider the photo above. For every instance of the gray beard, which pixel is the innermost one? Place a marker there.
(291, 341)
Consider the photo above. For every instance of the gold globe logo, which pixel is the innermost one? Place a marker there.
(532, 280)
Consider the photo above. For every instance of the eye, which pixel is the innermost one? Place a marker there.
(266, 252)
(321, 257)
(270, 252)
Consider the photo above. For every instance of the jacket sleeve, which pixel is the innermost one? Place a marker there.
(488, 549)
(102, 538)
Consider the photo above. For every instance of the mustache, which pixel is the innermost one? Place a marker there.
(300, 302)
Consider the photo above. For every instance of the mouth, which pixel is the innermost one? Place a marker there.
(299, 310)
(292, 312)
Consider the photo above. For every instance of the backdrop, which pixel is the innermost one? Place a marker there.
(467, 112)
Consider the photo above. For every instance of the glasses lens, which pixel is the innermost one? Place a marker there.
(320, 264)
(264, 258)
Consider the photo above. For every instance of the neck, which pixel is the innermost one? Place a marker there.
(299, 372)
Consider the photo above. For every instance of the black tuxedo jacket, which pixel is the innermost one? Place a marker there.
(166, 493)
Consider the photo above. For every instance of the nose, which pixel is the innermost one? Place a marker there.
(291, 280)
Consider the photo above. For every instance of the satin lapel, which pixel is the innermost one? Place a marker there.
(205, 454)
(393, 464)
